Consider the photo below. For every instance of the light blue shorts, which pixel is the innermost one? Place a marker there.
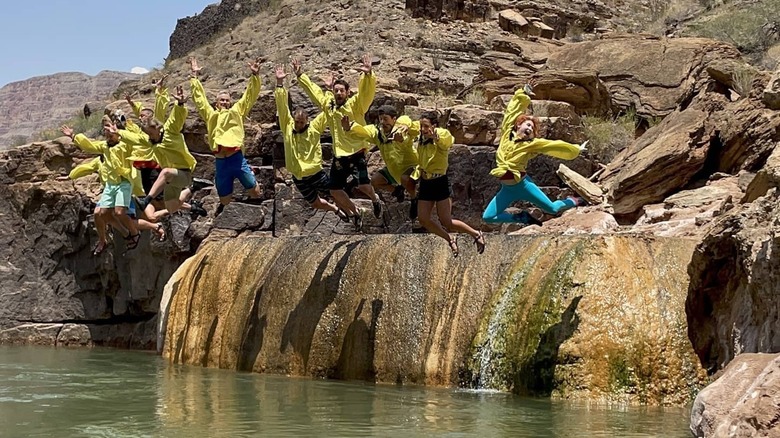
(116, 195)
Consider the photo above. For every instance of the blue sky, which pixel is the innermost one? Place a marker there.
(40, 37)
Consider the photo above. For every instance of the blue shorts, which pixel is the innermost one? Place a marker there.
(116, 195)
(230, 168)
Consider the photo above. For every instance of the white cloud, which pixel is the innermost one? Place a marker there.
(139, 70)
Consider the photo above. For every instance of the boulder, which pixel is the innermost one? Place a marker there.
(744, 401)
(513, 22)
(652, 75)
(472, 125)
(589, 191)
(732, 303)
(661, 161)
(771, 94)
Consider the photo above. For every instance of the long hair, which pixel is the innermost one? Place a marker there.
(522, 118)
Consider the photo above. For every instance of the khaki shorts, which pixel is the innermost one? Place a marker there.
(181, 180)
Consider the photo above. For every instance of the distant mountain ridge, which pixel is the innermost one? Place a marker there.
(31, 105)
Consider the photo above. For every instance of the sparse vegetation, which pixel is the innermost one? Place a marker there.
(743, 80)
(609, 136)
(575, 33)
(475, 97)
(91, 127)
(752, 28)
(440, 100)
(18, 140)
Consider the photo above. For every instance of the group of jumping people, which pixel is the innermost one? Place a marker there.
(146, 168)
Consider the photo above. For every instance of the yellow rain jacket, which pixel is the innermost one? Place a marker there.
(398, 156)
(161, 99)
(96, 166)
(433, 156)
(115, 164)
(171, 152)
(512, 156)
(302, 150)
(225, 126)
(355, 107)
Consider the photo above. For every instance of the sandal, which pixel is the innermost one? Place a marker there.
(454, 247)
(160, 231)
(99, 248)
(132, 241)
(479, 240)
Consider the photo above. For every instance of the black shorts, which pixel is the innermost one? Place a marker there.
(343, 167)
(310, 186)
(148, 177)
(437, 189)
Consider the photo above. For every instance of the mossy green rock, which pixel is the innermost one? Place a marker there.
(596, 317)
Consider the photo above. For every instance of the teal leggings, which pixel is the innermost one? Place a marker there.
(525, 190)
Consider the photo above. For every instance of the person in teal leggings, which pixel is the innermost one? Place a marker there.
(518, 144)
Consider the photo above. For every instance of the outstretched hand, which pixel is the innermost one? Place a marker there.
(280, 74)
(398, 137)
(110, 128)
(254, 66)
(329, 79)
(529, 88)
(194, 67)
(160, 83)
(179, 95)
(366, 66)
(346, 123)
(296, 66)
(67, 130)
(129, 99)
(584, 146)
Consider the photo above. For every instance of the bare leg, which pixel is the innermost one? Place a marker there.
(254, 192)
(369, 191)
(444, 211)
(155, 228)
(342, 200)
(159, 184)
(410, 186)
(322, 204)
(379, 182)
(425, 209)
(120, 214)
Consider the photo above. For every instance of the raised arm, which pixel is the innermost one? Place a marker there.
(136, 106)
(315, 93)
(516, 107)
(161, 98)
(252, 91)
(367, 86)
(280, 95)
(443, 139)
(85, 169)
(175, 122)
(133, 138)
(365, 132)
(198, 93)
(83, 143)
(319, 124)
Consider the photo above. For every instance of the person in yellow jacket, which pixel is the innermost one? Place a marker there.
(349, 151)
(395, 141)
(146, 165)
(302, 148)
(433, 147)
(225, 125)
(102, 220)
(115, 172)
(170, 151)
(518, 144)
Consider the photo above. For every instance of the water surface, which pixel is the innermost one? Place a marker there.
(115, 393)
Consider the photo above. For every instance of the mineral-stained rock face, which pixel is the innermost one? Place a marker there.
(742, 402)
(27, 107)
(569, 316)
(732, 303)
